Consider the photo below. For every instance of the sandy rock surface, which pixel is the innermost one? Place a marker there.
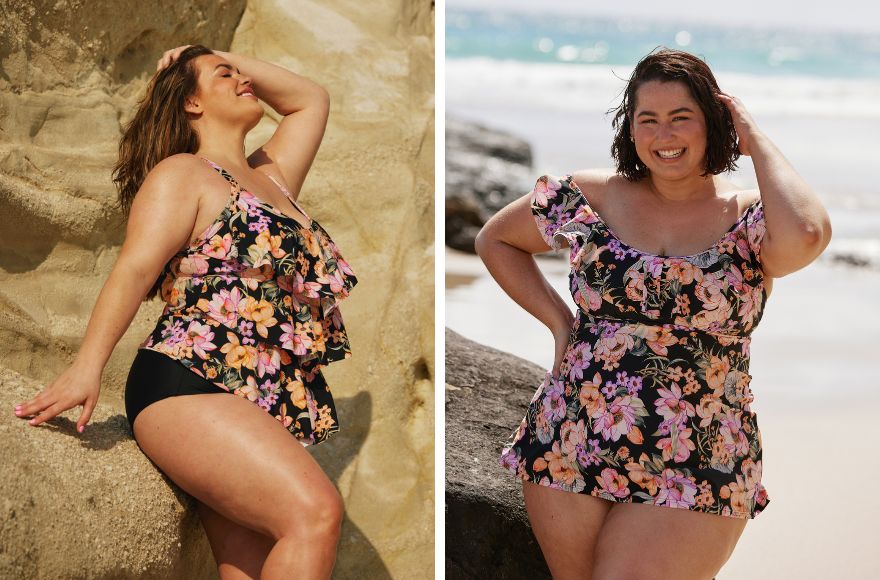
(71, 76)
(89, 505)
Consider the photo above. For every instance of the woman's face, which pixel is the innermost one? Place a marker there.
(222, 92)
(669, 130)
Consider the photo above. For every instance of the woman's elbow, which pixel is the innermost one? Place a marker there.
(480, 241)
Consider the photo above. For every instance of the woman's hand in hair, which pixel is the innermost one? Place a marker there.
(742, 121)
(169, 56)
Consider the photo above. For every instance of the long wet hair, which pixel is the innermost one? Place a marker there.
(670, 65)
(159, 128)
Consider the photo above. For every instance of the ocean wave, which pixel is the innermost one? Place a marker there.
(585, 87)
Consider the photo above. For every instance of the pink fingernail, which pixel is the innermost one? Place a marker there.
(17, 407)
(81, 428)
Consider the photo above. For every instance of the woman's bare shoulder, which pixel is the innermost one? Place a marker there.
(593, 183)
(744, 196)
(166, 180)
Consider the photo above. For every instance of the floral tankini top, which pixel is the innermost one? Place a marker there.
(651, 401)
(252, 306)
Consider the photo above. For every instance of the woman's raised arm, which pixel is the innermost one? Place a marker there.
(305, 106)
(798, 226)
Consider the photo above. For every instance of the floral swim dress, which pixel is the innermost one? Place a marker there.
(651, 401)
(252, 306)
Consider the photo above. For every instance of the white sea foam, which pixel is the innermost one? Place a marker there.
(583, 87)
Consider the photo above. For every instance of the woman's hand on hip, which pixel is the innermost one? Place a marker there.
(75, 386)
(561, 335)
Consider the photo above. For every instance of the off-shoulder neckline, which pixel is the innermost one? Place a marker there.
(740, 220)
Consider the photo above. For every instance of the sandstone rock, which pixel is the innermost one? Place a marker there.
(89, 505)
(487, 529)
(485, 170)
(70, 76)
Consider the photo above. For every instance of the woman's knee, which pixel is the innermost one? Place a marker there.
(318, 519)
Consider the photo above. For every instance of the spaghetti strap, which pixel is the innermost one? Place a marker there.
(290, 197)
(285, 272)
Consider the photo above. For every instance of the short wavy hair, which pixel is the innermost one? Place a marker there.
(670, 65)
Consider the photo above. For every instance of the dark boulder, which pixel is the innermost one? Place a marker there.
(485, 170)
(487, 529)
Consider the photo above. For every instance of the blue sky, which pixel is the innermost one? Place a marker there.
(854, 15)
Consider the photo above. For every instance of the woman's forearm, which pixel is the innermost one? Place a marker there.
(518, 275)
(116, 306)
(281, 89)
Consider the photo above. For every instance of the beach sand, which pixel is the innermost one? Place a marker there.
(815, 398)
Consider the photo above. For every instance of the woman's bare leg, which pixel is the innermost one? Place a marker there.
(238, 551)
(238, 460)
(642, 541)
(566, 525)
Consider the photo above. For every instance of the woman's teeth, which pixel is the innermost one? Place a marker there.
(670, 153)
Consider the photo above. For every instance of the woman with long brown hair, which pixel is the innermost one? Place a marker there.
(639, 453)
(250, 285)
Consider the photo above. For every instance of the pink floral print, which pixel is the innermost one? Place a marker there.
(651, 402)
(252, 306)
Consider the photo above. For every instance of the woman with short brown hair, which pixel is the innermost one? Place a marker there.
(647, 404)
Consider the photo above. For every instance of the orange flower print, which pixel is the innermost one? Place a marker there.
(325, 420)
(590, 397)
(709, 407)
(675, 331)
(312, 246)
(635, 288)
(249, 390)
(640, 476)
(218, 247)
(658, 339)
(254, 273)
(563, 473)
(297, 391)
(237, 354)
(717, 372)
(613, 344)
(262, 312)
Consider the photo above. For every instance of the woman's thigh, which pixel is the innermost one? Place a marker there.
(648, 541)
(238, 551)
(233, 456)
(566, 525)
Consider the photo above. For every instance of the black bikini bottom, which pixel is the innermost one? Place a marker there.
(155, 376)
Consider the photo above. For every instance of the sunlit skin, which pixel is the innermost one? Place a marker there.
(667, 117)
